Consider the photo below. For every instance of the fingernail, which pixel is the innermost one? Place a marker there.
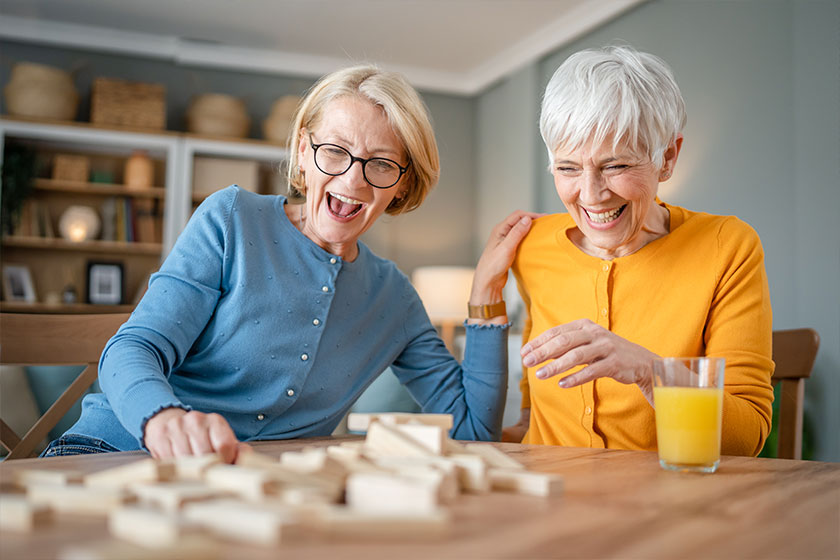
(562, 382)
(529, 361)
(525, 349)
(524, 220)
(541, 374)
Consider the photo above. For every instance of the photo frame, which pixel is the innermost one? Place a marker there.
(105, 283)
(17, 284)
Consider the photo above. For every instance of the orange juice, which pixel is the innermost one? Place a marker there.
(688, 423)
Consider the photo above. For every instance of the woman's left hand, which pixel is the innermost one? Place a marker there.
(492, 270)
(604, 354)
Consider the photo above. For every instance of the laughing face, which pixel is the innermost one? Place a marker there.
(339, 209)
(611, 194)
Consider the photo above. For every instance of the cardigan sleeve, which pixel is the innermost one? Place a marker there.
(474, 391)
(739, 328)
(181, 298)
(524, 388)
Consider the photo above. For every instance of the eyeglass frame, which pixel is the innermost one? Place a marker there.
(354, 159)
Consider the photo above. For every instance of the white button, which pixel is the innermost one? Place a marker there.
(291, 392)
(604, 312)
(588, 410)
(304, 357)
(606, 267)
(325, 289)
(333, 261)
(260, 416)
(316, 322)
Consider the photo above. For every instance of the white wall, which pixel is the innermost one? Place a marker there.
(761, 80)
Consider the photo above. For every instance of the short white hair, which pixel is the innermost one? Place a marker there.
(615, 92)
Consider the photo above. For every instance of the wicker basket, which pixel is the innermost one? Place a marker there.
(131, 104)
(70, 168)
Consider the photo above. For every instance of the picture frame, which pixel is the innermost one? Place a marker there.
(17, 284)
(105, 283)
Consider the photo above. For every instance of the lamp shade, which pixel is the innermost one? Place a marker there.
(444, 290)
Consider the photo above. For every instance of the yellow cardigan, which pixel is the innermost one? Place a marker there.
(701, 290)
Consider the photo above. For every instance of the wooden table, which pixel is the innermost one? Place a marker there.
(616, 504)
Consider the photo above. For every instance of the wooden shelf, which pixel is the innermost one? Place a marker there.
(80, 187)
(23, 307)
(104, 247)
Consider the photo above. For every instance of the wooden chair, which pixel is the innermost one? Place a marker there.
(794, 352)
(43, 339)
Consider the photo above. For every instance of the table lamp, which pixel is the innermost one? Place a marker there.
(444, 291)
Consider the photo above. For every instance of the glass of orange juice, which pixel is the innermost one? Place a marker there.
(688, 397)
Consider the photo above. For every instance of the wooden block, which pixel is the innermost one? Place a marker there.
(171, 496)
(526, 482)
(193, 467)
(429, 435)
(352, 459)
(387, 440)
(45, 476)
(279, 478)
(149, 528)
(247, 482)
(450, 446)
(263, 524)
(358, 422)
(314, 461)
(380, 493)
(191, 547)
(19, 514)
(472, 472)
(77, 498)
(254, 459)
(495, 457)
(444, 473)
(144, 470)
(350, 523)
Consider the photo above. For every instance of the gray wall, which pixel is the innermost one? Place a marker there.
(761, 79)
(439, 232)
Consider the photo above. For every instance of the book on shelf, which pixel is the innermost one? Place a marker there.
(34, 220)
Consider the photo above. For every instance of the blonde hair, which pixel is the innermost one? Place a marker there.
(405, 111)
(615, 92)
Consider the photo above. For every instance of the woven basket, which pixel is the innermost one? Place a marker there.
(131, 104)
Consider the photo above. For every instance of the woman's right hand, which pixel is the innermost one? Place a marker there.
(175, 432)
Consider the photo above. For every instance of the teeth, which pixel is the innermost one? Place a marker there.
(346, 199)
(604, 217)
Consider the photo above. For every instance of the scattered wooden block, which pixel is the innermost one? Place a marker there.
(77, 498)
(172, 496)
(442, 472)
(450, 446)
(386, 440)
(495, 457)
(254, 459)
(345, 522)
(472, 472)
(191, 547)
(144, 470)
(314, 461)
(430, 436)
(247, 482)
(381, 493)
(526, 482)
(44, 476)
(263, 524)
(19, 514)
(193, 467)
(147, 527)
(352, 459)
(358, 422)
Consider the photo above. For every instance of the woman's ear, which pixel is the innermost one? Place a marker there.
(669, 158)
(303, 143)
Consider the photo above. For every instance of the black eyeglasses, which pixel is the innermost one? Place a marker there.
(334, 160)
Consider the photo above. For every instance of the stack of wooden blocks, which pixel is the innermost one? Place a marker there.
(394, 484)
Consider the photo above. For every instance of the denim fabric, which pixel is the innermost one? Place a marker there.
(75, 444)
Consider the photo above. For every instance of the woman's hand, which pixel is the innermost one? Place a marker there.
(491, 273)
(174, 432)
(604, 353)
(515, 433)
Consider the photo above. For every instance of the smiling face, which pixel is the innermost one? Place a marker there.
(611, 194)
(340, 209)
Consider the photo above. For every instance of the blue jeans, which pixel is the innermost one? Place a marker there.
(75, 444)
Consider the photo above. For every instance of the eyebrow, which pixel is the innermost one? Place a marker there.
(341, 139)
(602, 162)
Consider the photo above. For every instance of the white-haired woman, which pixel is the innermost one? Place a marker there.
(624, 277)
(268, 319)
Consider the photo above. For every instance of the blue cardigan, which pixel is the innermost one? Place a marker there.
(249, 318)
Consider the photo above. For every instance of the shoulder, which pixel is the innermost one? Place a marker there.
(728, 230)
(543, 234)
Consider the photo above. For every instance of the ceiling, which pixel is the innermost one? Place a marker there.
(451, 46)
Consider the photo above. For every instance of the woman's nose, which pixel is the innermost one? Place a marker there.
(593, 187)
(355, 175)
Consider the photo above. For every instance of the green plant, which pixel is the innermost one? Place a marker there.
(18, 173)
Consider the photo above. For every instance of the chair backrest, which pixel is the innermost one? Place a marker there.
(794, 352)
(46, 339)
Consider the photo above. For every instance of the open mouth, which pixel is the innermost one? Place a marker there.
(605, 217)
(343, 206)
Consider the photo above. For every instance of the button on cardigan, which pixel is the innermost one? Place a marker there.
(249, 318)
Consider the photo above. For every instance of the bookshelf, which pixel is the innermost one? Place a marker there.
(56, 263)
